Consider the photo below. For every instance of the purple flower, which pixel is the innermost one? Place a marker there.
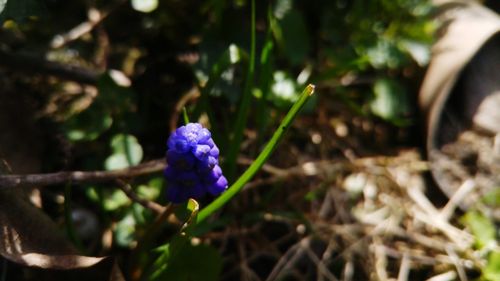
(193, 164)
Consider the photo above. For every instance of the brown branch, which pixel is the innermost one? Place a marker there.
(31, 63)
(127, 189)
(94, 18)
(39, 180)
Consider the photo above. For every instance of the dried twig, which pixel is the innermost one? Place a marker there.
(155, 207)
(465, 189)
(95, 17)
(447, 276)
(288, 259)
(456, 262)
(247, 273)
(320, 264)
(348, 271)
(404, 268)
(380, 259)
(31, 63)
(39, 180)
(30, 180)
(427, 213)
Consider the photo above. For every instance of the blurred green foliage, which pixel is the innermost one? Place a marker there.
(492, 270)
(126, 152)
(20, 10)
(481, 227)
(486, 233)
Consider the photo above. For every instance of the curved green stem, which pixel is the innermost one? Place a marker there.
(261, 159)
(185, 115)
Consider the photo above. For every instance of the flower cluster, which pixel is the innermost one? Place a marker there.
(193, 169)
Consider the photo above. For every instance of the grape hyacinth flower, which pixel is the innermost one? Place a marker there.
(193, 164)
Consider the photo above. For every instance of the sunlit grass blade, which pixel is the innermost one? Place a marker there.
(261, 159)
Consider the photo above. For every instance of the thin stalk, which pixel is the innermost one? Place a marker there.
(266, 66)
(261, 159)
(241, 119)
(185, 115)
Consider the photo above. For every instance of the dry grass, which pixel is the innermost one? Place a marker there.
(364, 218)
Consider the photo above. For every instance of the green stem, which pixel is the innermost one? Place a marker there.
(237, 138)
(266, 76)
(261, 159)
(185, 115)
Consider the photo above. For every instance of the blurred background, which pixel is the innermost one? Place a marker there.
(347, 195)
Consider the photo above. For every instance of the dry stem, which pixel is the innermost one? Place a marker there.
(39, 180)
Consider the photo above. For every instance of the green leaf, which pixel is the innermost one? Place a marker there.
(3, 3)
(169, 253)
(133, 218)
(88, 125)
(281, 8)
(181, 260)
(179, 253)
(492, 198)
(295, 37)
(92, 193)
(116, 161)
(115, 93)
(420, 52)
(19, 10)
(125, 230)
(188, 213)
(481, 227)
(492, 270)
(391, 101)
(383, 54)
(126, 152)
(114, 99)
(114, 200)
(284, 90)
(145, 6)
(194, 263)
(152, 190)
